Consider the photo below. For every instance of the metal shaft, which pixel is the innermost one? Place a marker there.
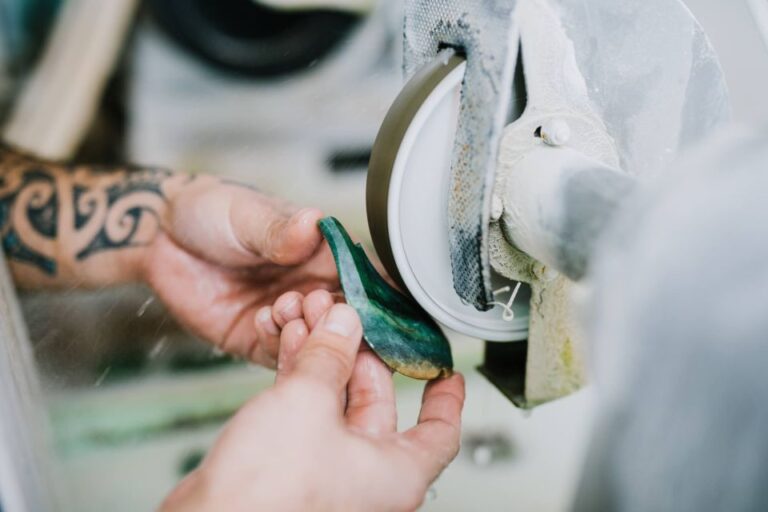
(558, 203)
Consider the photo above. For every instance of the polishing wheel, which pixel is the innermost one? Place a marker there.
(407, 199)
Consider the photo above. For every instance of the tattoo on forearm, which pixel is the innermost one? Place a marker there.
(126, 205)
(40, 212)
(51, 212)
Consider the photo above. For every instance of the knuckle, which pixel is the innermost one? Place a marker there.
(234, 216)
(272, 249)
(445, 403)
(307, 390)
(330, 356)
(321, 298)
(363, 398)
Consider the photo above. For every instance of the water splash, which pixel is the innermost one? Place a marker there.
(103, 376)
(158, 348)
(144, 307)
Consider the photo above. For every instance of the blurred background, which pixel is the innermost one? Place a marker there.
(287, 96)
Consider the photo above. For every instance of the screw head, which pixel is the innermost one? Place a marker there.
(555, 132)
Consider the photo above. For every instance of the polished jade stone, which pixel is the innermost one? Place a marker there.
(397, 329)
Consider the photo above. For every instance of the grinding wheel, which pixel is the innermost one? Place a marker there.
(407, 199)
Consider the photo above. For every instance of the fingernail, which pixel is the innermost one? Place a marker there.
(341, 320)
(305, 215)
(264, 316)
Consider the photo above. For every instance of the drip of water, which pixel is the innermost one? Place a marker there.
(159, 347)
(144, 307)
(103, 376)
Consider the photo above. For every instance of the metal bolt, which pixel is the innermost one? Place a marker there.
(555, 132)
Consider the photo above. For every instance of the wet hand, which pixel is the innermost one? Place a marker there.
(325, 436)
(225, 251)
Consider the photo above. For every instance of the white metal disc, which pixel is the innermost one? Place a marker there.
(417, 208)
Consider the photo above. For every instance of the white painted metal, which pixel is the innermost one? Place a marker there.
(558, 203)
(635, 88)
(650, 72)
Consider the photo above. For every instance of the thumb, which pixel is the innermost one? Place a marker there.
(266, 230)
(237, 226)
(328, 356)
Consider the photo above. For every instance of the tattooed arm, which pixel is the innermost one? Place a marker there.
(215, 252)
(65, 225)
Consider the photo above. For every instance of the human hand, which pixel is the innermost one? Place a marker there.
(298, 446)
(224, 252)
(213, 251)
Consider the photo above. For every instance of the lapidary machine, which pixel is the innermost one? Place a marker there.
(523, 128)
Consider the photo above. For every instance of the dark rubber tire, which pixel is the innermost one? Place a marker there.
(242, 37)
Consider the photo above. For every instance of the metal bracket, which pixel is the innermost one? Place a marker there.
(505, 365)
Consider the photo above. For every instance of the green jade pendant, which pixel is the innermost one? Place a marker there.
(397, 329)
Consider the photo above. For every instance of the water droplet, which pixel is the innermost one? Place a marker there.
(143, 308)
(103, 376)
(158, 348)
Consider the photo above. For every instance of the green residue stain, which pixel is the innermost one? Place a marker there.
(566, 354)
